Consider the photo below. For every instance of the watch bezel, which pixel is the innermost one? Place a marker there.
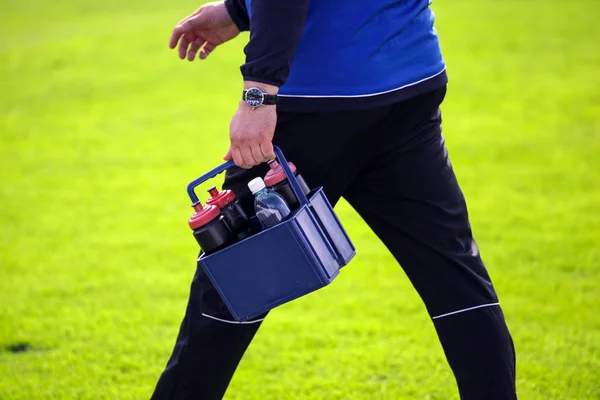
(254, 91)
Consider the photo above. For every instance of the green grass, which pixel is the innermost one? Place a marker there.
(101, 128)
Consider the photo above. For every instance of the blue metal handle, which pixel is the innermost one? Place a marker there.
(211, 174)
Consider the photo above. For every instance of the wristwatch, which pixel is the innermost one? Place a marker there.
(255, 98)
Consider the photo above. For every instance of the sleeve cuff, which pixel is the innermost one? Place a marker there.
(262, 80)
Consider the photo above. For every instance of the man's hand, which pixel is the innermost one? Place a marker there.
(205, 29)
(251, 131)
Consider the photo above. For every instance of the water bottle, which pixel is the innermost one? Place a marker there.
(276, 180)
(270, 206)
(234, 215)
(210, 230)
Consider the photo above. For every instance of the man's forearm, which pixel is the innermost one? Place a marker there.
(238, 13)
(276, 27)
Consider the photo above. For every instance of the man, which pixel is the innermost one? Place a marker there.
(351, 92)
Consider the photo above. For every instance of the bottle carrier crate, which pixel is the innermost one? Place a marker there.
(299, 255)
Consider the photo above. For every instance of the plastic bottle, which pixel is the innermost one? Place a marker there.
(234, 215)
(276, 180)
(210, 230)
(270, 206)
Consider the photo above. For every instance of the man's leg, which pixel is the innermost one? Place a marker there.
(409, 196)
(326, 150)
(207, 350)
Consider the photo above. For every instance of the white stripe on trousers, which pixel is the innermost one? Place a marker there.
(465, 309)
(232, 322)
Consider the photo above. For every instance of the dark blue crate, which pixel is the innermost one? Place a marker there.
(299, 255)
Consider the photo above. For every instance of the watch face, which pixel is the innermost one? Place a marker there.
(254, 97)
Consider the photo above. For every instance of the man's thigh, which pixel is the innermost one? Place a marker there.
(410, 197)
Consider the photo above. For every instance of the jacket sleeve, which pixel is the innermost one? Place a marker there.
(276, 27)
(238, 13)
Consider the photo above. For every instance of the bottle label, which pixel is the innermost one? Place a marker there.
(269, 218)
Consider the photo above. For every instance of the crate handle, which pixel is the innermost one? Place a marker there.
(211, 174)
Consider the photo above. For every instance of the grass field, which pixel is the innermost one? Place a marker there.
(101, 128)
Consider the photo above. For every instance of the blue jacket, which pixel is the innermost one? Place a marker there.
(341, 55)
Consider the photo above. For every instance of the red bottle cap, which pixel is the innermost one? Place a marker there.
(220, 199)
(203, 215)
(276, 174)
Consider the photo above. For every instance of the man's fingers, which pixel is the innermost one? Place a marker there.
(257, 154)
(175, 35)
(250, 156)
(194, 47)
(249, 160)
(206, 50)
(237, 157)
(181, 29)
(266, 148)
(184, 43)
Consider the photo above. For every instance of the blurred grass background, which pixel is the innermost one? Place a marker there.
(101, 128)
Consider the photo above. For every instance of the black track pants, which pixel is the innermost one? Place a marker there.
(392, 166)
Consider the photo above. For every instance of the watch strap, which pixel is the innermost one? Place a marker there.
(268, 99)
